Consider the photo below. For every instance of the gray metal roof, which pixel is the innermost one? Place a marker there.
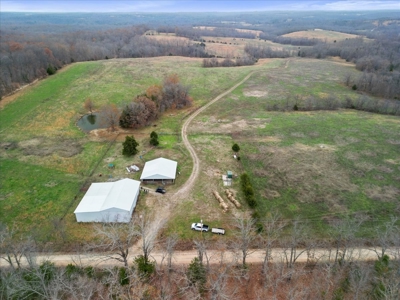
(160, 168)
(105, 195)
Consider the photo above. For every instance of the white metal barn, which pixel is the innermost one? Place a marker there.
(109, 202)
(159, 170)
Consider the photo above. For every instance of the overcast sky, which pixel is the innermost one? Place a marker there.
(190, 6)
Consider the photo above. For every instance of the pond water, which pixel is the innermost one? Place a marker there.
(90, 122)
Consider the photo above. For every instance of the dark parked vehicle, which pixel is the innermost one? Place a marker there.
(161, 190)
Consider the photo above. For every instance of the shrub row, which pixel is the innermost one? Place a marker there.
(248, 190)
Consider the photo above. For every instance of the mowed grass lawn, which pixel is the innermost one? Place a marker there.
(317, 166)
(46, 161)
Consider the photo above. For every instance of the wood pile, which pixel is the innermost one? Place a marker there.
(231, 198)
(221, 201)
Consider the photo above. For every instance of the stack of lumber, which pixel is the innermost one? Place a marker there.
(221, 201)
(231, 198)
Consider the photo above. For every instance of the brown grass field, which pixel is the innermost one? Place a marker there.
(325, 35)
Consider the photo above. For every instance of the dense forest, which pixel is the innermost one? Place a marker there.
(34, 46)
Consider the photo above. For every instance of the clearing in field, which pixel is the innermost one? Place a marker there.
(324, 35)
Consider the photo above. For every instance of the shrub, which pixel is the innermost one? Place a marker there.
(48, 270)
(71, 270)
(154, 142)
(154, 134)
(123, 276)
(248, 190)
(197, 274)
(144, 267)
(51, 70)
(154, 138)
(89, 271)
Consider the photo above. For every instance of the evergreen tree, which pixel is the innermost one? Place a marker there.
(129, 146)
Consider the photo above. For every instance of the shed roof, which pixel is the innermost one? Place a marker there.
(105, 195)
(160, 168)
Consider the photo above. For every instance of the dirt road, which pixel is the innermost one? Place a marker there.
(186, 188)
(256, 256)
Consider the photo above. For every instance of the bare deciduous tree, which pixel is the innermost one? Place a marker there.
(147, 228)
(359, 279)
(116, 238)
(292, 244)
(344, 233)
(387, 234)
(272, 226)
(170, 243)
(245, 235)
(16, 250)
(89, 105)
(109, 116)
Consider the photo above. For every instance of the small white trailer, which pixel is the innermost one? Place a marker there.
(218, 230)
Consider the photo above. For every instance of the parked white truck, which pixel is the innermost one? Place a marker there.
(199, 227)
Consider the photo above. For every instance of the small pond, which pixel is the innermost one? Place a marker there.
(90, 122)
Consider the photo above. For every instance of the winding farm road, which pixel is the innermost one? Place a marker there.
(186, 188)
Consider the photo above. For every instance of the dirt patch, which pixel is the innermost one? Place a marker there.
(364, 166)
(394, 142)
(384, 169)
(51, 184)
(253, 93)
(45, 147)
(351, 155)
(270, 194)
(312, 170)
(384, 194)
(8, 145)
(393, 161)
(225, 126)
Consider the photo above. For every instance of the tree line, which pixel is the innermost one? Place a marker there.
(341, 272)
(228, 62)
(26, 58)
(313, 103)
(379, 60)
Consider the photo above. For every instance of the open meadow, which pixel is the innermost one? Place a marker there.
(317, 166)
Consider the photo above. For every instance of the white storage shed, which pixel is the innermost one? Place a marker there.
(160, 170)
(109, 202)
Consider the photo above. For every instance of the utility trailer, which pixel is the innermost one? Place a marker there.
(218, 230)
